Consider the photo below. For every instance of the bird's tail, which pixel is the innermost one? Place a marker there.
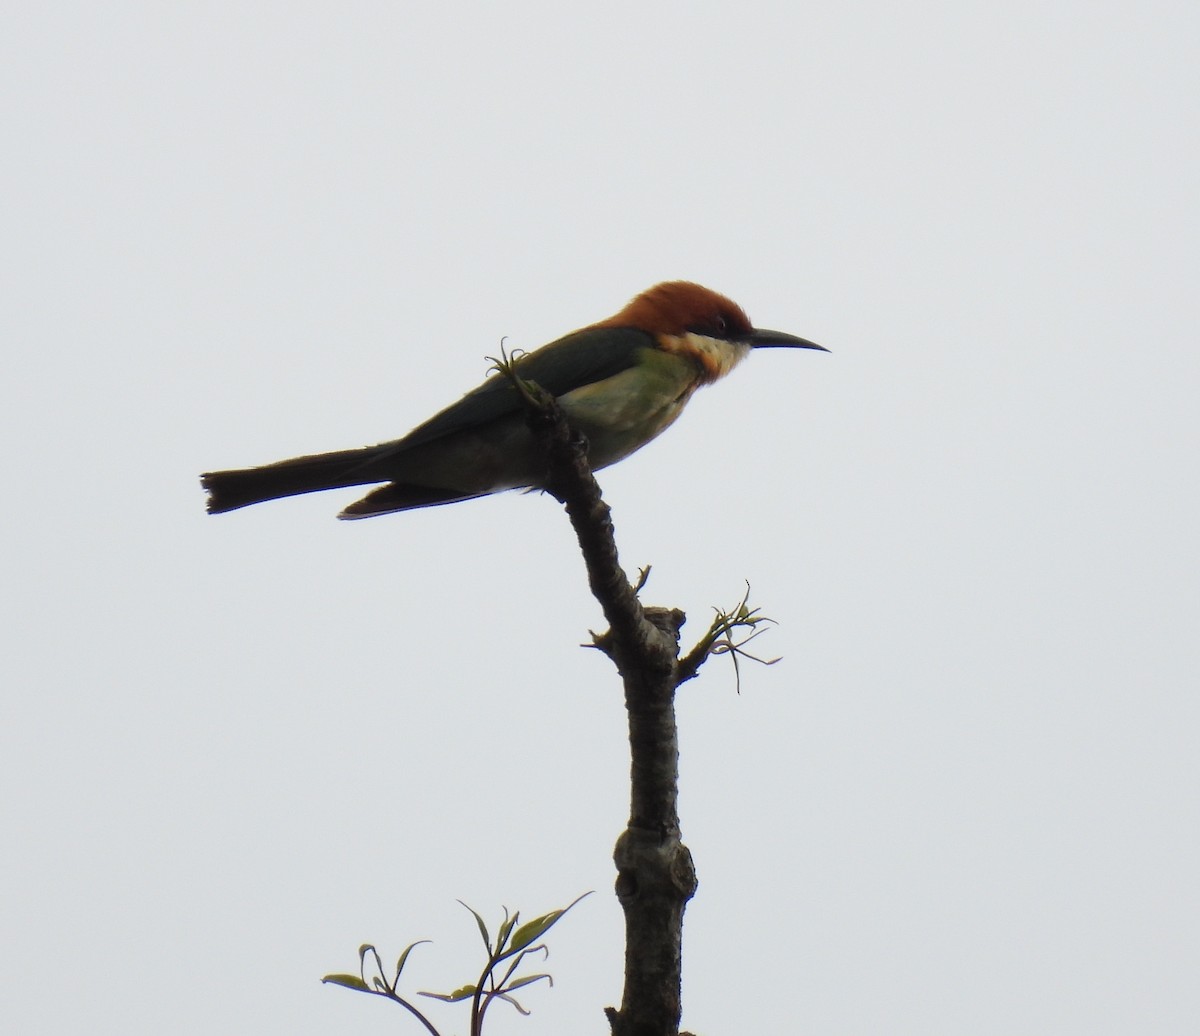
(229, 490)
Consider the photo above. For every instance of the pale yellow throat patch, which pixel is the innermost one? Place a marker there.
(715, 356)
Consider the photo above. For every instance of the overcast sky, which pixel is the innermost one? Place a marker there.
(233, 748)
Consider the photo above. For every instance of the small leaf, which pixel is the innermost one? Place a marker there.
(404, 958)
(462, 993)
(505, 930)
(367, 950)
(532, 930)
(517, 983)
(535, 929)
(349, 981)
(513, 1001)
(487, 940)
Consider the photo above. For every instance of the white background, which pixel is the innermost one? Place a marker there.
(235, 747)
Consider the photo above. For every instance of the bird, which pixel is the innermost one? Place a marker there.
(619, 382)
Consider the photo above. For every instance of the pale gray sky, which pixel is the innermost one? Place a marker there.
(234, 748)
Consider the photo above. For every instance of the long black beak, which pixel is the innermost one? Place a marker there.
(763, 339)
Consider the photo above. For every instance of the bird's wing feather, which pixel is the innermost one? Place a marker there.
(580, 358)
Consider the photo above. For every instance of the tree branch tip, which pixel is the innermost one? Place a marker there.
(535, 397)
(507, 361)
(719, 640)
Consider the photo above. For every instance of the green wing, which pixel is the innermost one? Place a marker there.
(581, 358)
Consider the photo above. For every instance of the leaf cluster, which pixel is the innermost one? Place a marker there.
(498, 980)
(719, 640)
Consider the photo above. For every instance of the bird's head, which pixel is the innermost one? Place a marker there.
(691, 320)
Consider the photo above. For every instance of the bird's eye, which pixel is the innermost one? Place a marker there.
(715, 325)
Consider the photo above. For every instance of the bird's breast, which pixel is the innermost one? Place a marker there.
(624, 412)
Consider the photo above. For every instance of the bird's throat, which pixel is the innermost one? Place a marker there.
(715, 357)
